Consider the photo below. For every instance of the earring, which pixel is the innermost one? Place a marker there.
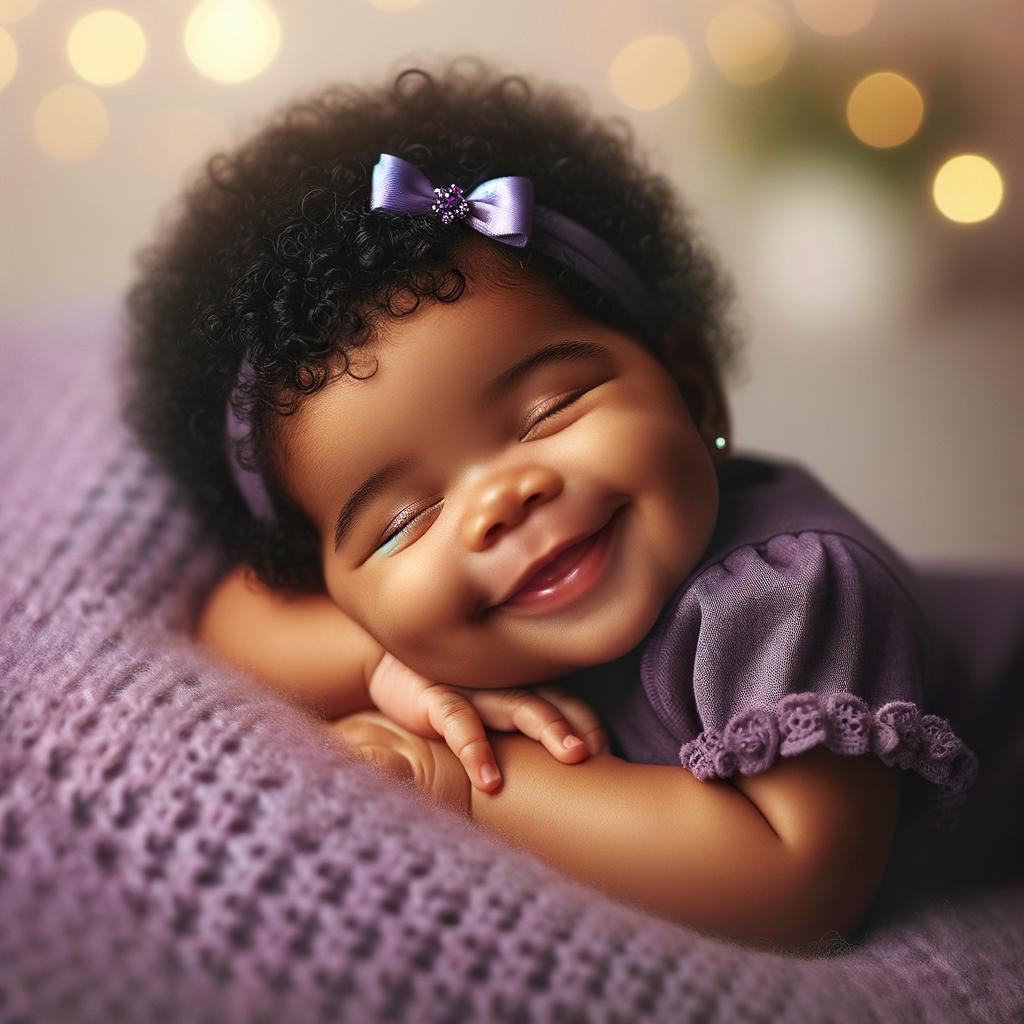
(721, 443)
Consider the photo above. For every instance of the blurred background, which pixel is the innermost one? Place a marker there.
(857, 164)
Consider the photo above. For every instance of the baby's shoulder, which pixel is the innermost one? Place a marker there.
(781, 533)
(779, 508)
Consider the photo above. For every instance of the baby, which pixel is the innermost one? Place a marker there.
(439, 362)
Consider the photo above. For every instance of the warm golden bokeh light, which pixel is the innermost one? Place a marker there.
(15, 10)
(395, 5)
(650, 72)
(71, 123)
(967, 189)
(884, 110)
(835, 17)
(106, 47)
(8, 57)
(232, 40)
(749, 41)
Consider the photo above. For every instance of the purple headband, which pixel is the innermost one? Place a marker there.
(502, 209)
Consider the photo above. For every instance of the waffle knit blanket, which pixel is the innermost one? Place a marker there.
(177, 847)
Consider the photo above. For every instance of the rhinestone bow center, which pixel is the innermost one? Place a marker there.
(450, 204)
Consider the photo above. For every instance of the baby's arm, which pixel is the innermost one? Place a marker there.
(788, 855)
(302, 646)
(307, 648)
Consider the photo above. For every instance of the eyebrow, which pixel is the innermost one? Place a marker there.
(363, 495)
(559, 352)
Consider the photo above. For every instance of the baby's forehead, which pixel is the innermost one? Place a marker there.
(450, 345)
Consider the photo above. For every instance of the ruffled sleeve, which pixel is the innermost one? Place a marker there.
(806, 639)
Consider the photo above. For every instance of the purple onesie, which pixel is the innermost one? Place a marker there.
(798, 627)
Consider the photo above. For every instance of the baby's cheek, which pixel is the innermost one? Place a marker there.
(670, 475)
(413, 609)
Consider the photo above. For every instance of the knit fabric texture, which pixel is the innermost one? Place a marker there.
(177, 846)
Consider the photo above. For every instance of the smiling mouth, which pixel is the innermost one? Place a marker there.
(569, 575)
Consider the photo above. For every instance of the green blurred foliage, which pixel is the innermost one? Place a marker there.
(803, 109)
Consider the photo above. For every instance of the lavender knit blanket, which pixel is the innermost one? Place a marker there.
(177, 847)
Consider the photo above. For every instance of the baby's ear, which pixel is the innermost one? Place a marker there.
(693, 367)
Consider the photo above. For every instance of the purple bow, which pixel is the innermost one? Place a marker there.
(501, 208)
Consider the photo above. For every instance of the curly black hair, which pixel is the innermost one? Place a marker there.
(275, 257)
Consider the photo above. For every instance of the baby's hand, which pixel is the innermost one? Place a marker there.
(564, 724)
(427, 764)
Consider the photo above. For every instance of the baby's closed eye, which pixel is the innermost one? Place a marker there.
(543, 415)
(408, 525)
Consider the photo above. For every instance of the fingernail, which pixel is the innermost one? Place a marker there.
(488, 774)
(571, 741)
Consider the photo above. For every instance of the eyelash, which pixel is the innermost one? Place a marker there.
(405, 519)
(550, 408)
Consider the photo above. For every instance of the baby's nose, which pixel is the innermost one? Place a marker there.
(502, 501)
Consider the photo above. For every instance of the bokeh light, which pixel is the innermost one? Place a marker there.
(749, 41)
(232, 40)
(395, 5)
(71, 123)
(106, 47)
(835, 17)
(884, 110)
(650, 72)
(15, 10)
(8, 57)
(968, 189)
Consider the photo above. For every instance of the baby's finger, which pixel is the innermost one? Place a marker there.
(455, 718)
(526, 712)
(579, 714)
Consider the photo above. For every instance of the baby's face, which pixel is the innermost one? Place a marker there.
(514, 493)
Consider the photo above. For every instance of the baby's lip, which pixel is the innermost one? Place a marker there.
(572, 552)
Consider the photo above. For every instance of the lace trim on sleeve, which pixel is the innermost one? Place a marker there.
(897, 732)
